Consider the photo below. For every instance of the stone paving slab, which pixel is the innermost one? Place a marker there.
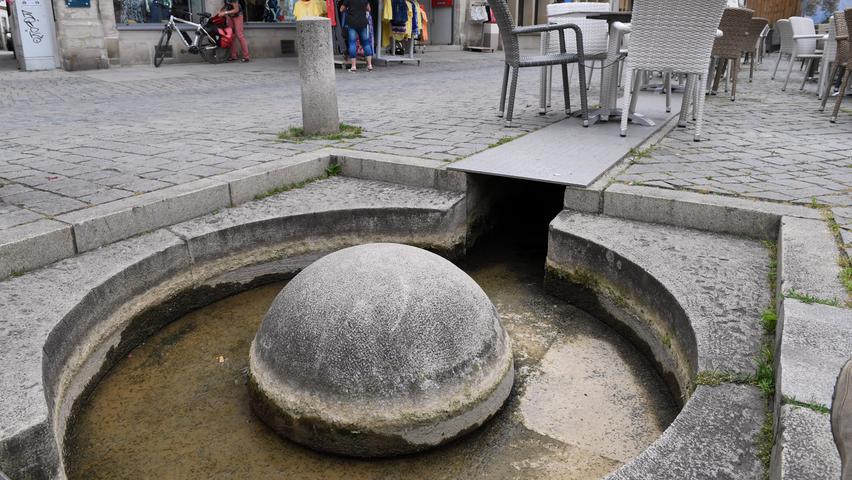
(808, 260)
(769, 144)
(804, 447)
(813, 342)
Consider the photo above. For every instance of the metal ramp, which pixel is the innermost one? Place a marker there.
(568, 154)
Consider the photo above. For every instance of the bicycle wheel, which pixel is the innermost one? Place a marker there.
(209, 51)
(160, 51)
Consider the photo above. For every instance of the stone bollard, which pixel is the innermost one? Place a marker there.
(316, 69)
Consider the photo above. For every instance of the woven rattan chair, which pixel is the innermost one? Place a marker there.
(829, 55)
(755, 29)
(672, 36)
(804, 45)
(785, 31)
(841, 54)
(514, 61)
(847, 52)
(595, 36)
(731, 46)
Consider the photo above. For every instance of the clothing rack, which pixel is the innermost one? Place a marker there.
(481, 46)
(379, 53)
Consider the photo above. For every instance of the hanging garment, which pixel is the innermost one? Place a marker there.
(331, 12)
(415, 24)
(309, 8)
(272, 12)
(424, 30)
(400, 12)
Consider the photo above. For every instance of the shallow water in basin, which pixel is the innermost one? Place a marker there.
(585, 400)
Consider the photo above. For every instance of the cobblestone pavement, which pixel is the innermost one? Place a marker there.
(769, 144)
(72, 140)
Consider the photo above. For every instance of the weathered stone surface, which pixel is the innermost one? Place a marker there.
(719, 281)
(55, 323)
(715, 213)
(247, 183)
(804, 448)
(101, 225)
(815, 341)
(808, 260)
(34, 245)
(589, 200)
(316, 70)
(714, 437)
(49, 313)
(416, 172)
(327, 210)
(380, 349)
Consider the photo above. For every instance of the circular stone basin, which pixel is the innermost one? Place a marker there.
(377, 350)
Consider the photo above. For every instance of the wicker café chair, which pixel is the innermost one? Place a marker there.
(731, 46)
(785, 31)
(829, 55)
(847, 14)
(595, 37)
(514, 61)
(804, 45)
(755, 30)
(841, 54)
(672, 36)
(761, 46)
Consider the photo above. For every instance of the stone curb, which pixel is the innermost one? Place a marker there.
(95, 311)
(43, 242)
(715, 213)
(804, 446)
(808, 260)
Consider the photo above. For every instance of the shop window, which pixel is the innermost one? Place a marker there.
(156, 11)
(269, 11)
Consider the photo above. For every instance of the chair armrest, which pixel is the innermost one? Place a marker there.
(543, 28)
(842, 37)
(621, 27)
(803, 37)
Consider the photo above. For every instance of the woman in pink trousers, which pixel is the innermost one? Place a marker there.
(234, 13)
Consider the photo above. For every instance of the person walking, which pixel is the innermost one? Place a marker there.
(358, 27)
(234, 14)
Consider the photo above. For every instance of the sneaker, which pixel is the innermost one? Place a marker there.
(841, 419)
(245, 60)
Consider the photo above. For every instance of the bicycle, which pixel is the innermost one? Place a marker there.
(204, 43)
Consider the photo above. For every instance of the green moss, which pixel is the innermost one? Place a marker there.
(817, 407)
(765, 377)
(714, 378)
(639, 154)
(503, 141)
(769, 319)
(297, 134)
(330, 171)
(667, 340)
(809, 299)
(766, 441)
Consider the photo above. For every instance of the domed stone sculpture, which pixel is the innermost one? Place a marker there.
(379, 350)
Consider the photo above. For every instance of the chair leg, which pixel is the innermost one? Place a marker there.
(542, 91)
(590, 76)
(514, 86)
(566, 94)
(774, 72)
(710, 71)
(503, 90)
(667, 84)
(637, 84)
(720, 69)
(695, 100)
(828, 84)
(751, 66)
(789, 70)
(735, 71)
(805, 76)
(625, 101)
(843, 87)
(699, 116)
(687, 98)
(584, 100)
(550, 86)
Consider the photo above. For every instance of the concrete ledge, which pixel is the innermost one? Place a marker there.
(416, 172)
(33, 245)
(54, 347)
(104, 224)
(587, 200)
(41, 243)
(712, 438)
(804, 447)
(808, 260)
(813, 343)
(696, 296)
(753, 219)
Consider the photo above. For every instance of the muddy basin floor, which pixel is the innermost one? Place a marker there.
(584, 401)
